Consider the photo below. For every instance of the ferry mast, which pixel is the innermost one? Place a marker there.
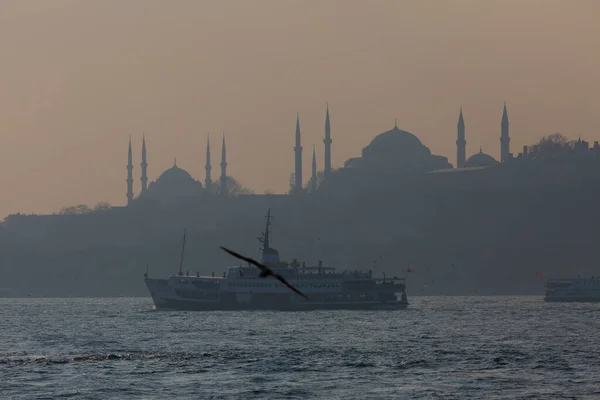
(269, 255)
(264, 238)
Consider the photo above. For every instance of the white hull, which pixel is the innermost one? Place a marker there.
(167, 297)
(573, 290)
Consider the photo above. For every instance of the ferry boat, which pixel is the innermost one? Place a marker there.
(241, 288)
(573, 289)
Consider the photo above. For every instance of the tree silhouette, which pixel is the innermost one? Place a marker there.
(555, 144)
(102, 206)
(75, 210)
(234, 188)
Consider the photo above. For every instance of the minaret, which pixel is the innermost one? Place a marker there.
(298, 152)
(144, 166)
(223, 169)
(129, 175)
(208, 180)
(327, 141)
(504, 138)
(461, 143)
(313, 179)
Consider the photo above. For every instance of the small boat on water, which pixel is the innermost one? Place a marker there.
(573, 289)
(241, 287)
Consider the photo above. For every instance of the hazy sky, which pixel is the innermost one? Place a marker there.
(78, 77)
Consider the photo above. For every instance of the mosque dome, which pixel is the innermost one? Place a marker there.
(176, 176)
(172, 186)
(396, 144)
(480, 159)
(395, 151)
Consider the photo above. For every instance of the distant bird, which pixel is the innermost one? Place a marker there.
(264, 271)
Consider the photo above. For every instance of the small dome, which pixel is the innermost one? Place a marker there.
(480, 160)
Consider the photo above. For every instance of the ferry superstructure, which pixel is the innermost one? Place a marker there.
(573, 289)
(241, 288)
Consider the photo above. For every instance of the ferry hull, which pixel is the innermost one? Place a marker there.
(185, 305)
(573, 290)
(165, 298)
(572, 299)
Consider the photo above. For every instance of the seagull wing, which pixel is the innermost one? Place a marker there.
(286, 283)
(266, 270)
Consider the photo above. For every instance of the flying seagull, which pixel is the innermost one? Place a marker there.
(265, 271)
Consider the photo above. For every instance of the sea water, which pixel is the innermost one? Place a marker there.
(441, 347)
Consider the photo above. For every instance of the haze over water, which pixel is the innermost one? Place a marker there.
(79, 77)
(441, 347)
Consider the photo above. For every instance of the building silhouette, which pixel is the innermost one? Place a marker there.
(391, 154)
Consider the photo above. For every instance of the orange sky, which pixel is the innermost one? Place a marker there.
(79, 77)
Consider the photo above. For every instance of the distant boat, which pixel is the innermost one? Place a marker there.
(573, 289)
(241, 287)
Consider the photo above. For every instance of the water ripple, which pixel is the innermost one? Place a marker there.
(443, 347)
